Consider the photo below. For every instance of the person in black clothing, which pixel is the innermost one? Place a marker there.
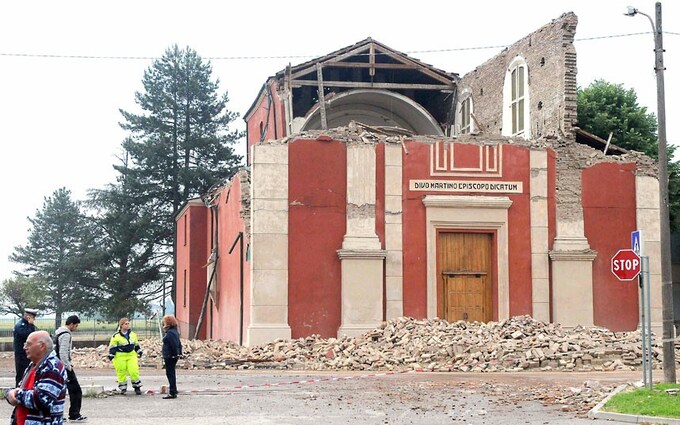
(172, 350)
(63, 348)
(22, 329)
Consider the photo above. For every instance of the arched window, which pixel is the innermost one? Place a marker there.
(465, 110)
(516, 100)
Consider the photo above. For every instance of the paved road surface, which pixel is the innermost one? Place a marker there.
(269, 397)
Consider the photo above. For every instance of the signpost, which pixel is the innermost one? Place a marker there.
(626, 265)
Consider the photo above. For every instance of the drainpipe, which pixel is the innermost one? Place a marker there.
(239, 239)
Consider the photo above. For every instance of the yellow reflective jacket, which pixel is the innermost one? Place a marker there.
(124, 343)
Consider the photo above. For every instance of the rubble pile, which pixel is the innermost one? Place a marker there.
(516, 344)
(577, 399)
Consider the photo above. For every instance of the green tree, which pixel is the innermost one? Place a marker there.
(129, 272)
(20, 292)
(61, 251)
(605, 107)
(180, 145)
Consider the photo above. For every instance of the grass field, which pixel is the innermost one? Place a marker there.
(88, 329)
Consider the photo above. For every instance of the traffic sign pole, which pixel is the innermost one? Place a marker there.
(646, 346)
(648, 315)
(626, 265)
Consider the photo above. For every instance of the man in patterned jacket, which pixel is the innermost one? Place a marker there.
(39, 398)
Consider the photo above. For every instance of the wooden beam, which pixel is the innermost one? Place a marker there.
(368, 65)
(322, 100)
(335, 64)
(372, 49)
(423, 68)
(350, 84)
(350, 53)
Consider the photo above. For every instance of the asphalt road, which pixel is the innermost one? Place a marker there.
(273, 397)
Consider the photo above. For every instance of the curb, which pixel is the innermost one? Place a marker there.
(92, 390)
(597, 413)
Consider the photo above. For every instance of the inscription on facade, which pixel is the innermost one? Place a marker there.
(432, 185)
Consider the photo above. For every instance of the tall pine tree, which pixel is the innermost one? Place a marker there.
(129, 271)
(181, 143)
(62, 253)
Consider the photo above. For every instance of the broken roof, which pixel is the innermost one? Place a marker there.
(374, 57)
(367, 65)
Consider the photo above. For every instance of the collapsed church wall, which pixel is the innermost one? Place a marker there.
(316, 159)
(339, 234)
(550, 58)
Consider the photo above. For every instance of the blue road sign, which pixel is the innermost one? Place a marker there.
(636, 242)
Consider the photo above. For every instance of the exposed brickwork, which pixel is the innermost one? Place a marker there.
(244, 177)
(551, 60)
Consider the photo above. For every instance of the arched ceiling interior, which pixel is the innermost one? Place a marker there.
(374, 108)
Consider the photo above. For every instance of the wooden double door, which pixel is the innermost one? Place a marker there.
(465, 286)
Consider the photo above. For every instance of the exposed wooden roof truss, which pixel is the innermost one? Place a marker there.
(369, 64)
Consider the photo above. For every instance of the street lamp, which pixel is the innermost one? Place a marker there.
(666, 276)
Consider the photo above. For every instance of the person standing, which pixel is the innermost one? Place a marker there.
(64, 339)
(39, 399)
(24, 327)
(124, 350)
(172, 350)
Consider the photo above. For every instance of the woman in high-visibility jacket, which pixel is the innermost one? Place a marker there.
(123, 352)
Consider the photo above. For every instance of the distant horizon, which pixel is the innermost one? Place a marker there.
(154, 307)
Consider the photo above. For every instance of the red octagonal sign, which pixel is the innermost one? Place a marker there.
(626, 264)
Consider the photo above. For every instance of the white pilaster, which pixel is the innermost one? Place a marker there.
(394, 272)
(361, 255)
(269, 234)
(361, 198)
(572, 272)
(540, 278)
(647, 220)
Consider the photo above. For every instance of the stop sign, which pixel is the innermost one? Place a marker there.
(626, 264)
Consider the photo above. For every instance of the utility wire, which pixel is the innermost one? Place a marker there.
(236, 58)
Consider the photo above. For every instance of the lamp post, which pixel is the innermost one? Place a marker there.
(666, 277)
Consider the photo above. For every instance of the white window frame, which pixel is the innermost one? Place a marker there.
(466, 124)
(516, 115)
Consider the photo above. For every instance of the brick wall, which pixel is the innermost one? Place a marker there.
(551, 60)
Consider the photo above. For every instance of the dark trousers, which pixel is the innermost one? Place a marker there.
(20, 365)
(75, 394)
(171, 374)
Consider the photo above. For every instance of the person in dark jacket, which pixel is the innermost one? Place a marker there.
(22, 330)
(172, 350)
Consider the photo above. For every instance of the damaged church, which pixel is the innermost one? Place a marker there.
(378, 186)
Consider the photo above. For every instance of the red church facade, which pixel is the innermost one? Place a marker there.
(376, 199)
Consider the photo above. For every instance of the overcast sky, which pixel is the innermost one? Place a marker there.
(67, 67)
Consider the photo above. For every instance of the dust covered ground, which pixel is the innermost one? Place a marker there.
(261, 396)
